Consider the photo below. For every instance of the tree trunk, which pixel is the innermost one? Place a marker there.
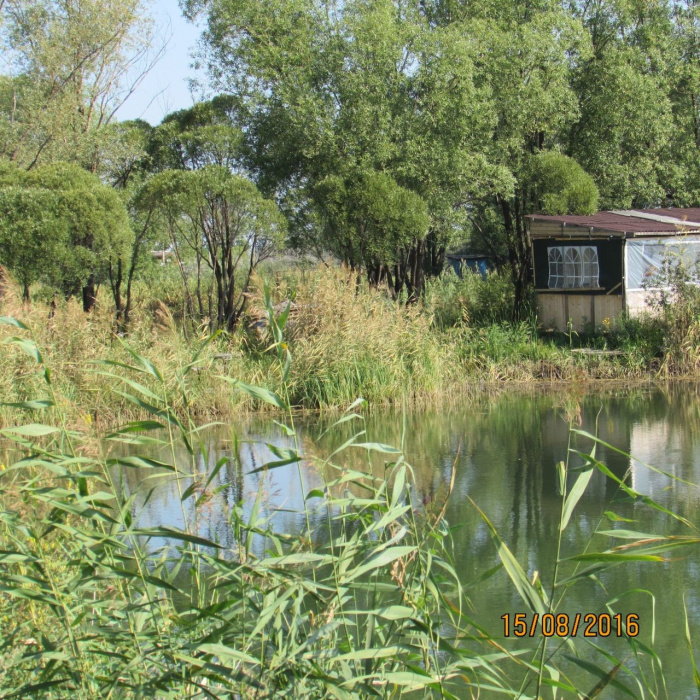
(115, 282)
(54, 306)
(434, 255)
(210, 303)
(199, 286)
(518, 251)
(220, 310)
(89, 294)
(416, 271)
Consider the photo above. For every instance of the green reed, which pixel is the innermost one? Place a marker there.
(363, 602)
(347, 340)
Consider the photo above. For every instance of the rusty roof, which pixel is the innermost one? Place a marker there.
(630, 222)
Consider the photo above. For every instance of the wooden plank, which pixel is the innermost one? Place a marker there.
(544, 229)
(556, 309)
(579, 310)
(591, 351)
(608, 307)
(551, 310)
(573, 233)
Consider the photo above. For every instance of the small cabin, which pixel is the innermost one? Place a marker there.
(593, 269)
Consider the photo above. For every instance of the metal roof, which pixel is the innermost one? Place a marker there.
(467, 256)
(630, 222)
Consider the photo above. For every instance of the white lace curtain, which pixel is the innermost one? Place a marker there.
(573, 267)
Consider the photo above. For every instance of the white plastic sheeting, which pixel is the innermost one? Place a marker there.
(648, 261)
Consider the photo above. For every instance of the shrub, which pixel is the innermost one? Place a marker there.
(471, 299)
(679, 309)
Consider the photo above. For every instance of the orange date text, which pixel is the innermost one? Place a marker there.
(565, 625)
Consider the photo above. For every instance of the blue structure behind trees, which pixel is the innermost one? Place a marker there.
(473, 262)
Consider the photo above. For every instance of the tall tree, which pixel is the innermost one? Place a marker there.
(69, 66)
(228, 225)
(127, 166)
(625, 127)
(205, 134)
(527, 50)
(366, 93)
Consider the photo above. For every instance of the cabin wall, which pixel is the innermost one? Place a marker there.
(646, 263)
(637, 302)
(479, 266)
(609, 262)
(555, 310)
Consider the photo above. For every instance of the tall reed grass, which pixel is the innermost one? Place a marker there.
(347, 340)
(363, 602)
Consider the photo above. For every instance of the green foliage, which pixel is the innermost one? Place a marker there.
(356, 101)
(124, 161)
(225, 222)
(435, 95)
(347, 340)
(625, 128)
(365, 608)
(370, 218)
(363, 600)
(69, 67)
(61, 225)
(469, 300)
(34, 237)
(190, 139)
(561, 185)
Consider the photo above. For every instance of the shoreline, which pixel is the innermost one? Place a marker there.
(343, 344)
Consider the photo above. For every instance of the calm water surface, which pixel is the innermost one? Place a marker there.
(505, 449)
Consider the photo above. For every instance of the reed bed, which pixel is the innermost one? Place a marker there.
(347, 340)
(362, 602)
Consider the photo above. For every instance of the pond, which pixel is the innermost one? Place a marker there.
(503, 449)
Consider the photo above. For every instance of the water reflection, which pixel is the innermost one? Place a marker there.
(505, 450)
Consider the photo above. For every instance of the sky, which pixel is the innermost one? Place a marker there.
(165, 88)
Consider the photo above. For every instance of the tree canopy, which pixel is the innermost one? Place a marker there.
(356, 100)
(560, 185)
(61, 225)
(226, 223)
(460, 104)
(386, 131)
(70, 66)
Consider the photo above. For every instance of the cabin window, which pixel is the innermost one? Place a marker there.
(573, 267)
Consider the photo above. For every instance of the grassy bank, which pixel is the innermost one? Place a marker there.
(346, 340)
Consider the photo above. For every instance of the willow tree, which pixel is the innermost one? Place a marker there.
(228, 225)
(362, 95)
(69, 66)
(204, 134)
(33, 236)
(371, 218)
(557, 184)
(126, 166)
(60, 225)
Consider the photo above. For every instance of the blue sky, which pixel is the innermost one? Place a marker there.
(165, 88)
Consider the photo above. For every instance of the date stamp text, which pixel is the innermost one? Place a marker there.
(565, 625)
